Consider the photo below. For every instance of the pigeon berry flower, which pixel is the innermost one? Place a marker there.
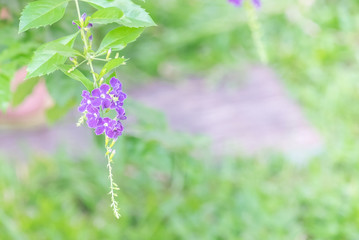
(116, 130)
(102, 94)
(102, 104)
(104, 98)
(89, 103)
(93, 119)
(104, 125)
(116, 84)
(121, 113)
(117, 98)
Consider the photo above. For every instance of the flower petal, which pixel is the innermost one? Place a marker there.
(92, 109)
(99, 130)
(115, 83)
(104, 88)
(256, 3)
(109, 133)
(106, 103)
(96, 92)
(92, 122)
(236, 3)
(82, 107)
(122, 96)
(96, 102)
(85, 93)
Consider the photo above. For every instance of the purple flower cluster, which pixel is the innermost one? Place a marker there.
(237, 3)
(103, 98)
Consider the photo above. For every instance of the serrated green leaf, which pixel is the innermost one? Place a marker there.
(42, 13)
(114, 63)
(134, 15)
(45, 62)
(107, 15)
(61, 49)
(23, 90)
(118, 38)
(76, 75)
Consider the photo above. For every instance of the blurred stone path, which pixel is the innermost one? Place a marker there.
(247, 114)
(243, 114)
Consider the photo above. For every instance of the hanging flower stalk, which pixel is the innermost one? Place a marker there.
(103, 96)
(254, 25)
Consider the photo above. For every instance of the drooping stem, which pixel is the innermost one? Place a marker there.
(255, 27)
(83, 37)
(113, 186)
(109, 151)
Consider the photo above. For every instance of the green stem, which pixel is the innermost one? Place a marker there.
(255, 27)
(100, 59)
(113, 186)
(84, 40)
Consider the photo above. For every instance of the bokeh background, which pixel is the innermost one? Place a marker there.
(217, 144)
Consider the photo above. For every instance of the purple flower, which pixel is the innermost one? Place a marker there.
(256, 3)
(117, 93)
(104, 125)
(89, 103)
(121, 113)
(115, 131)
(110, 127)
(117, 103)
(92, 119)
(237, 3)
(108, 98)
(102, 94)
(91, 37)
(116, 84)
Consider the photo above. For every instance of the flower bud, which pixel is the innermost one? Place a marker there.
(108, 54)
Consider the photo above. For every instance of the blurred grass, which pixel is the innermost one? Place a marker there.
(167, 192)
(173, 195)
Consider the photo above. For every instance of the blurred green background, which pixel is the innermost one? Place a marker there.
(170, 189)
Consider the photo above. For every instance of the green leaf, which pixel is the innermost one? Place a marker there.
(134, 15)
(44, 61)
(118, 38)
(7, 72)
(20, 52)
(107, 15)
(23, 90)
(76, 75)
(54, 47)
(62, 89)
(114, 63)
(56, 112)
(42, 13)
(5, 93)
